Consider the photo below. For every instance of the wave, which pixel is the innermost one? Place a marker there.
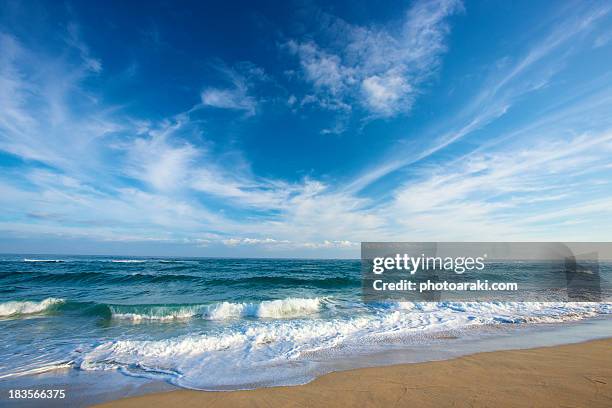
(163, 277)
(269, 309)
(273, 352)
(109, 278)
(296, 281)
(128, 261)
(154, 312)
(288, 308)
(43, 260)
(17, 308)
(98, 277)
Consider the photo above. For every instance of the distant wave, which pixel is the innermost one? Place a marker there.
(50, 260)
(162, 276)
(17, 308)
(98, 277)
(296, 281)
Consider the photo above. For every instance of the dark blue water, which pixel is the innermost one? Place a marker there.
(221, 323)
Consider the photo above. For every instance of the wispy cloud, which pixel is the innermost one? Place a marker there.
(229, 98)
(74, 39)
(154, 160)
(498, 93)
(237, 95)
(36, 121)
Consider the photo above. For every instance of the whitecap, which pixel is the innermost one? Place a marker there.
(16, 308)
(268, 309)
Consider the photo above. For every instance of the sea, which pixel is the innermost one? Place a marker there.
(225, 324)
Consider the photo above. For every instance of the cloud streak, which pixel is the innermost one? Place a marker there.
(530, 73)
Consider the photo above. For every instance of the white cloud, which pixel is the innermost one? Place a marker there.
(158, 163)
(271, 243)
(501, 196)
(383, 93)
(379, 68)
(323, 69)
(331, 244)
(254, 241)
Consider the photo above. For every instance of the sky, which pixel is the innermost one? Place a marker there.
(301, 128)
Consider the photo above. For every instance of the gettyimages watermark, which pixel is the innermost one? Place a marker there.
(487, 271)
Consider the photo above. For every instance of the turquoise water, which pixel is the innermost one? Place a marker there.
(224, 323)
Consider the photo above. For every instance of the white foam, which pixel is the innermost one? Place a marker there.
(27, 307)
(279, 351)
(157, 313)
(39, 370)
(42, 260)
(128, 261)
(269, 309)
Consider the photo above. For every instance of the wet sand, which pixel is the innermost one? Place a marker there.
(576, 375)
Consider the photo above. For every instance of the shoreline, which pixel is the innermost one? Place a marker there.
(85, 388)
(571, 375)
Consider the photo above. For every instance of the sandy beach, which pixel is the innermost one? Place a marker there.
(577, 375)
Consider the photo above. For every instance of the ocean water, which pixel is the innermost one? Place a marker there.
(226, 323)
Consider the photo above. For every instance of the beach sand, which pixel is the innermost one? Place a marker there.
(577, 375)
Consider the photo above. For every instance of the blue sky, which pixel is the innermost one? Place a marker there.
(302, 128)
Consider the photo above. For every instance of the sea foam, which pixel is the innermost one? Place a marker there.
(270, 309)
(279, 351)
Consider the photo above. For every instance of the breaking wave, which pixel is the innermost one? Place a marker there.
(265, 352)
(17, 308)
(272, 309)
